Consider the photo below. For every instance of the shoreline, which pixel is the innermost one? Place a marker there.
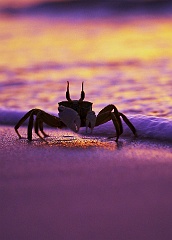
(75, 188)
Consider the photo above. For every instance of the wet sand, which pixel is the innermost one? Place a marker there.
(81, 188)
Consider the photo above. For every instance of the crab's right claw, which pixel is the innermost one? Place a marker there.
(70, 118)
(90, 120)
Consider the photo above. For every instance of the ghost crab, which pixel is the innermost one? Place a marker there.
(74, 114)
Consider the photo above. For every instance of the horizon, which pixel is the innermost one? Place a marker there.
(25, 3)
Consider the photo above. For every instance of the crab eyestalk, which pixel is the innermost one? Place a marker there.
(67, 93)
(82, 93)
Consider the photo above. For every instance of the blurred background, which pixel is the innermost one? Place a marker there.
(122, 50)
(109, 4)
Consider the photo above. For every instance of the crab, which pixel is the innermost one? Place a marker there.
(74, 114)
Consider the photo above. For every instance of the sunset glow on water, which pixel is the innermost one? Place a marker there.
(125, 60)
(78, 182)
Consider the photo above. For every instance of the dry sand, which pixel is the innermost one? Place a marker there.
(84, 188)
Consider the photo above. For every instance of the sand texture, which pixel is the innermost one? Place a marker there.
(77, 188)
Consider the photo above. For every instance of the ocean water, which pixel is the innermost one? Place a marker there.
(123, 59)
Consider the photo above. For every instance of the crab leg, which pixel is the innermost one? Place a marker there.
(23, 119)
(105, 115)
(130, 125)
(41, 129)
(117, 126)
(30, 126)
(67, 93)
(103, 118)
(42, 116)
(50, 120)
(38, 125)
(110, 112)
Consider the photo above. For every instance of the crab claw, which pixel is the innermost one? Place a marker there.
(90, 120)
(70, 118)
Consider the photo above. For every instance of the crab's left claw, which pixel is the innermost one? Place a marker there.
(90, 120)
(70, 118)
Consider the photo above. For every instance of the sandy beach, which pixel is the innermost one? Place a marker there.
(75, 188)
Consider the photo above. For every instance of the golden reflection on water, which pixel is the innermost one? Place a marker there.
(122, 61)
(29, 41)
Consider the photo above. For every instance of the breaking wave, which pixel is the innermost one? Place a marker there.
(147, 126)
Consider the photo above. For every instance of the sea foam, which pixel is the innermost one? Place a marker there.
(147, 126)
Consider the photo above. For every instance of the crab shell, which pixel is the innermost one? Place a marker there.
(81, 107)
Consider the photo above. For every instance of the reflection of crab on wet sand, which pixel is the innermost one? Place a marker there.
(74, 114)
